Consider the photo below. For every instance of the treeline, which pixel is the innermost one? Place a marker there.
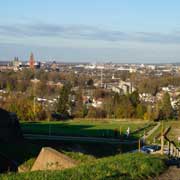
(21, 92)
(152, 84)
(22, 81)
(116, 106)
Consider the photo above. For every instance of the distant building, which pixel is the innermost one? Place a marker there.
(32, 61)
(127, 87)
(16, 64)
(54, 66)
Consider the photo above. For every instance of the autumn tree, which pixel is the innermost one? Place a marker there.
(79, 109)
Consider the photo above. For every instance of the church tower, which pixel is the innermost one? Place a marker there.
(32, 61)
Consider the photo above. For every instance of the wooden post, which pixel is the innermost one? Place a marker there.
(177, 151)
(174, 151)
(171, 151)
(169, 148)
(162, 140)
(139, 145)
(120, 132)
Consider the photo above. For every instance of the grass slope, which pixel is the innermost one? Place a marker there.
(127, 166)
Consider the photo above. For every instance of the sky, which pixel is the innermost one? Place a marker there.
(120, 31)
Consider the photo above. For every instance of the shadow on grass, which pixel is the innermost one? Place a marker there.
(22, 151)
(65, 129)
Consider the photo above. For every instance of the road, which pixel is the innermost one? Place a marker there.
(82, 139)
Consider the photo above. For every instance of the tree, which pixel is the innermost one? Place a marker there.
(24, 108)
(166, 108)
(99, 93)
(63, 104)
(149, 115)
(108, 106)
(124, 109)
(90, 82)
(134, 98)
(140, 111)
(79, 109)
(96, 113)
(91, 112)
(158, 114)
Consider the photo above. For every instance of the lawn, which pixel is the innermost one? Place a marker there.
(123, 167)
(98, 128)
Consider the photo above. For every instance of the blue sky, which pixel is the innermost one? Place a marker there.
(91, 31)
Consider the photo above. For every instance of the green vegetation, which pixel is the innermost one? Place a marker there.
(67, 94)
(127, 166)
(27, 165)
(25, 152)
(80, 158)
(63, 103)
(88, 128)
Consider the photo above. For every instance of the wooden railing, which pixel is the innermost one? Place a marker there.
(173, 150)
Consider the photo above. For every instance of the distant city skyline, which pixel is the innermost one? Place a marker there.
(91, 31)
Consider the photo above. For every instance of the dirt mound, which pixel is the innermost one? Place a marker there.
(50, 159)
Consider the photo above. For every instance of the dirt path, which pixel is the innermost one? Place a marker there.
(149, 133)
(173, 173)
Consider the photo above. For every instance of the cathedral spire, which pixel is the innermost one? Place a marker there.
(31, 61)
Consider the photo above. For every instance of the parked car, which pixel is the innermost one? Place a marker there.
(151, 148)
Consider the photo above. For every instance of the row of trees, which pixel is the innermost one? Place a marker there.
(71, 103)
(21, 81)
(152, 84)
(115, 106)
(25, 108)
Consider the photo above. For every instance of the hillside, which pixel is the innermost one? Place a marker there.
(127, 166)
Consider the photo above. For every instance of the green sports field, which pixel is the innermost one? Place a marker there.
(91, 128)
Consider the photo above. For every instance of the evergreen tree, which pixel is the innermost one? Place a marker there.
(166, 108)
(63, 104)
(140, 111)
(134, 98)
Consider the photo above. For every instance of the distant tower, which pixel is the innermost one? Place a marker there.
(31, 61)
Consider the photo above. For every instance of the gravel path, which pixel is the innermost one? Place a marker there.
(153, 130)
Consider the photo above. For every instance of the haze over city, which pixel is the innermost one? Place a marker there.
(91, 31)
